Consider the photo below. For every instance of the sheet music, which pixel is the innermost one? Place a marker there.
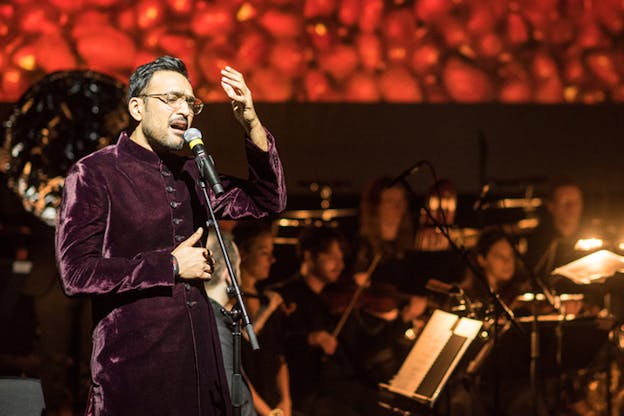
(593, 267)
(468, 328)
(422, 356)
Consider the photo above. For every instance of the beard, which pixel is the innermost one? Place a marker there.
(163, 141)
(327, 276)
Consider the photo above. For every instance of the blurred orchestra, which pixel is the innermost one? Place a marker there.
(341, 296)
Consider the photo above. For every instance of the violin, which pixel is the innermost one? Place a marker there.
(264, 299)
(378, 298)
(356, 296)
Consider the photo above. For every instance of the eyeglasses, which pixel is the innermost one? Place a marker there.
(176, 99)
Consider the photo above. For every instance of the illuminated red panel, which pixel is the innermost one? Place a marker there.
(317, 86)
(362, 87)
(397, 85)
(466, 82)
(333, 50)
(270, 85)
(107, 50)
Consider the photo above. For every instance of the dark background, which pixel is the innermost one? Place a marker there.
(349, 144)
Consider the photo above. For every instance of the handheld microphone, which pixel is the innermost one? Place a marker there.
(478, 204)
(204, 161)
(409, 171)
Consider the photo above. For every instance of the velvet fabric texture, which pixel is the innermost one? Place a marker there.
(155, 343)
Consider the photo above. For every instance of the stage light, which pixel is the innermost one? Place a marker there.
(588, 244)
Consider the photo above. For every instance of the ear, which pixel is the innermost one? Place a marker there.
(136, 108)
(481, 261)
(550, 207)
(307, 256)
(242, 254)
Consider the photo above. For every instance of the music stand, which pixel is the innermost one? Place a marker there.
(602, 271)
(433, 358)
(600, 268)
(593, 268)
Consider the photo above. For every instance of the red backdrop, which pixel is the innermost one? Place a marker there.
(544, 51)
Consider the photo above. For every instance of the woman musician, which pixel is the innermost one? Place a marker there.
(267, 368)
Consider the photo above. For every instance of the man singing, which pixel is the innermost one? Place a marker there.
(128, 236)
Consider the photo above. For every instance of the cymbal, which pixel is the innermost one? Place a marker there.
(319, 183)
(548, 318)
(564, 297)
(526, 203)
(323, 214)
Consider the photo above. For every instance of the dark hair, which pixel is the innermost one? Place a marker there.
(143, 74)
(508, 290)
(562, 182)
(245, 232)
(318, 240)
(488, 238)
(441, 187)
(369, 215)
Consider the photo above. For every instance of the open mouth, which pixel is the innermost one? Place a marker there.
(179, 126)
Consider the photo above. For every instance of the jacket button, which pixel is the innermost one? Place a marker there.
(170, 189)
(187, 286)
(179, 238)
(174, 204)
(177, 221)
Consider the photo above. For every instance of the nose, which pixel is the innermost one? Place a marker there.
(185, 108)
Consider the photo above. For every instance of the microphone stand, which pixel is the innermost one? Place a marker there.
(443, 228)
(238, 311)
(536, 285)
(498, 303)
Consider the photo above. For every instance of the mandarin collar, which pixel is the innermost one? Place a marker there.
(137, 151)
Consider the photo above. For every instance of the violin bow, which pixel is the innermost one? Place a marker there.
(356, 295)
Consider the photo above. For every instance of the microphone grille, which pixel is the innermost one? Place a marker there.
(192, 134)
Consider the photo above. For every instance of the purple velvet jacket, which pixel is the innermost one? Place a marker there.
(155, 344)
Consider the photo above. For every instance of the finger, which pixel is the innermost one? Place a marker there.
(231, 92)
(193, 239)
(239, 84)
(210, 262)
(228, 70)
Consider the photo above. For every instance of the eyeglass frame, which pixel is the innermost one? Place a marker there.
(163, 97)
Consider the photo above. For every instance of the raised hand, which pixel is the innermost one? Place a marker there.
(234, 86)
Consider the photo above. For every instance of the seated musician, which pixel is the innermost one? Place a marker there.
(322, 377)
(386, 232)
(497, 263)
(432, 256)
(216, 289)
(266, 368)
(552, 244)
(390, 305)
(441, 200)
(386, 229)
